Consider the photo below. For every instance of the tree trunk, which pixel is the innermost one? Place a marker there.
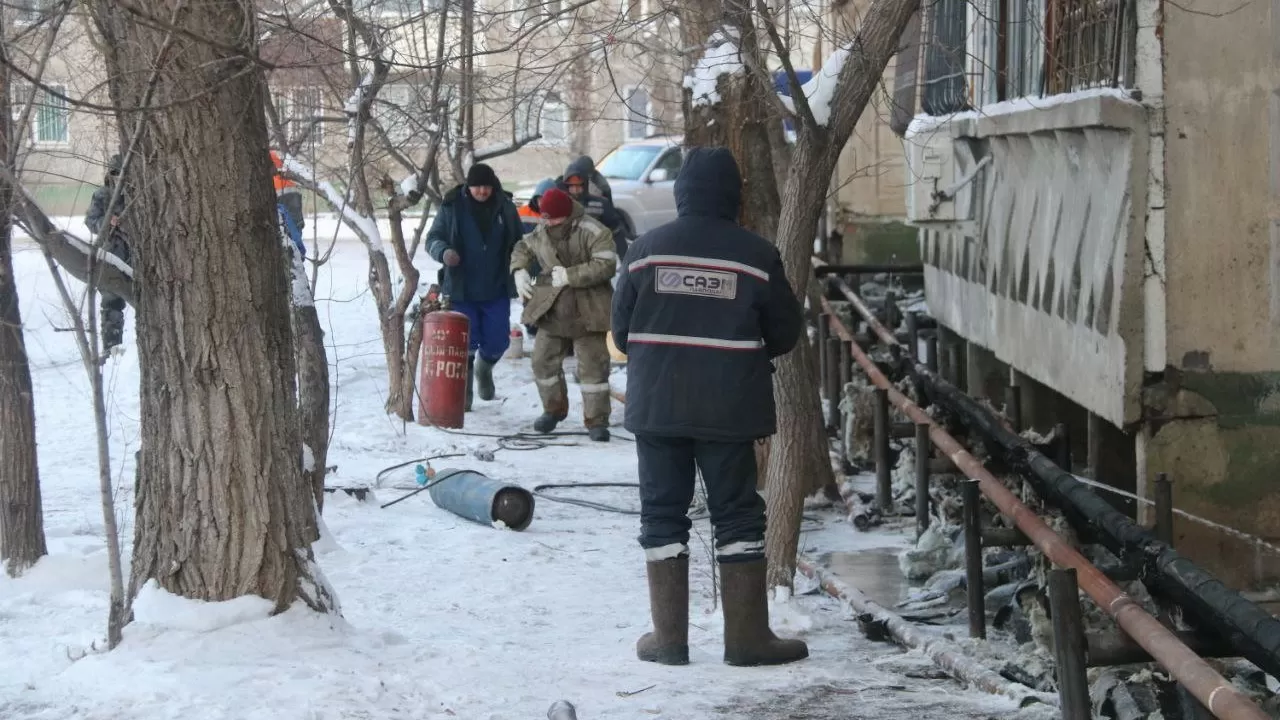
(22, 540)
(743, 118)
(222, 508)
(798, 459)
(313, 379)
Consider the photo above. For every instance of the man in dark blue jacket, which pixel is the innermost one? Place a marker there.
(702, 308)
(473, 234)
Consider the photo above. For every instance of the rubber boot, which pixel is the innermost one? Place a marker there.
(484, 378)
(471, 381)
(668, 644)
(747, 638)
(546, 423)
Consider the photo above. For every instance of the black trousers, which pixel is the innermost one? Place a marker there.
(668, 471)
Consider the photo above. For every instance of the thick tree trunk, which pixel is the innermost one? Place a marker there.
(313, 379)
(798, 458)
(743, 119)
(22, 540)
(222, 508)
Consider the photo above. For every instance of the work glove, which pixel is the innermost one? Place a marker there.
(524, 284)
(559, 276)
(451, 258)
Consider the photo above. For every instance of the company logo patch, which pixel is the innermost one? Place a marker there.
(702, 283)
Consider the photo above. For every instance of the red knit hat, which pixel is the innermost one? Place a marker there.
(555, 204)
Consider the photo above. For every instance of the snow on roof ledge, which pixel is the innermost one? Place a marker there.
(926, 123)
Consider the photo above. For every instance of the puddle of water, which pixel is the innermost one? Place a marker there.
(873, 572)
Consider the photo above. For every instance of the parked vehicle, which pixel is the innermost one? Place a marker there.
(642, 174)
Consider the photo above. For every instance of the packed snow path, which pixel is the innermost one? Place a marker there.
(442, 618)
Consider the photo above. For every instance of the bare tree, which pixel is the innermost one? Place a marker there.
(417, 136)
(839, 93)
(222, 509)
(22, 540)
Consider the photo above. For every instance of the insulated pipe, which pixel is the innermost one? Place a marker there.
(1207, 685)
(936, 648)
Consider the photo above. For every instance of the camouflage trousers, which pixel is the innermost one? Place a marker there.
(549, 352)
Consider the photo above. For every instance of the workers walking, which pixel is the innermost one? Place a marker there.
(473, 235)
(701, 310)
(569, 301)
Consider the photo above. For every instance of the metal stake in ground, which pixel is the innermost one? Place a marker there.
(973, 559)
(923, 448)
(824, 329)
(1069, 644)
(1164, 508)
(1013, 406)
(884, 483)
(833, 381)
(913, 336)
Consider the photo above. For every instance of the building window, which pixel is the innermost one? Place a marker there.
(979, 52)
(399, 7)
(639, 116)
(306, 107)
(637, 10)
(545, 115)
(52, 117)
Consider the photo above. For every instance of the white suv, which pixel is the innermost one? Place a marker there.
(642, 176)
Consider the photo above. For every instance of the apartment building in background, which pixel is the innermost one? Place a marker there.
(1096, 187)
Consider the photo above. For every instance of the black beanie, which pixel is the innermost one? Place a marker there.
(481, 174)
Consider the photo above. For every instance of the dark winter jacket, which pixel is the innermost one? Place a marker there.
(701, 309)
(597, 205)
(585, 167)
(97, 219)
(451, 229)
(97, 216)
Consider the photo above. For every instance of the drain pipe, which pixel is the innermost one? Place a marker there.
(1207, 685)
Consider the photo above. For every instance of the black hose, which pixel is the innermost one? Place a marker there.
(428, 486)
(1216, 608)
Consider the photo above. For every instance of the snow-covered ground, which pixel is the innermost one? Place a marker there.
(441, 617)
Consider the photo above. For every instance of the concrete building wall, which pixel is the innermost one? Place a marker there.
(1214, 409)
(1047, 275)
(867, 192)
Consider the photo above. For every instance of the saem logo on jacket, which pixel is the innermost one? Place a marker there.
(703, 283)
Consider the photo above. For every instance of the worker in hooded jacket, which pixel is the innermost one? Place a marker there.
(569, 301)
(702, 309)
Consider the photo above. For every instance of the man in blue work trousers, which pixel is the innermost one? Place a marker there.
(473, 235)
(701, 310)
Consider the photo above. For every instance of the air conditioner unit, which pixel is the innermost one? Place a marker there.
(931, 169)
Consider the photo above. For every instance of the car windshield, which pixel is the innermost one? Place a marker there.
(628, 162)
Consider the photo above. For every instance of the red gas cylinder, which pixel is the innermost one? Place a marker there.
(442, 379)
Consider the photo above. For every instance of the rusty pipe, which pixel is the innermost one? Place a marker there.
(1207, 685)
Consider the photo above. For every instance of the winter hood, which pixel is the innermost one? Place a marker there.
(583, 167)
(709, 184)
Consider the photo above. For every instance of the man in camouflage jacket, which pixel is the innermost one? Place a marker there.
(570, 302)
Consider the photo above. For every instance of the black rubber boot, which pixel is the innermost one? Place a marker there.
(598, 434)
(471, 382)
(668, 644)
(546, 423)
(484, 378)
(747, 638)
